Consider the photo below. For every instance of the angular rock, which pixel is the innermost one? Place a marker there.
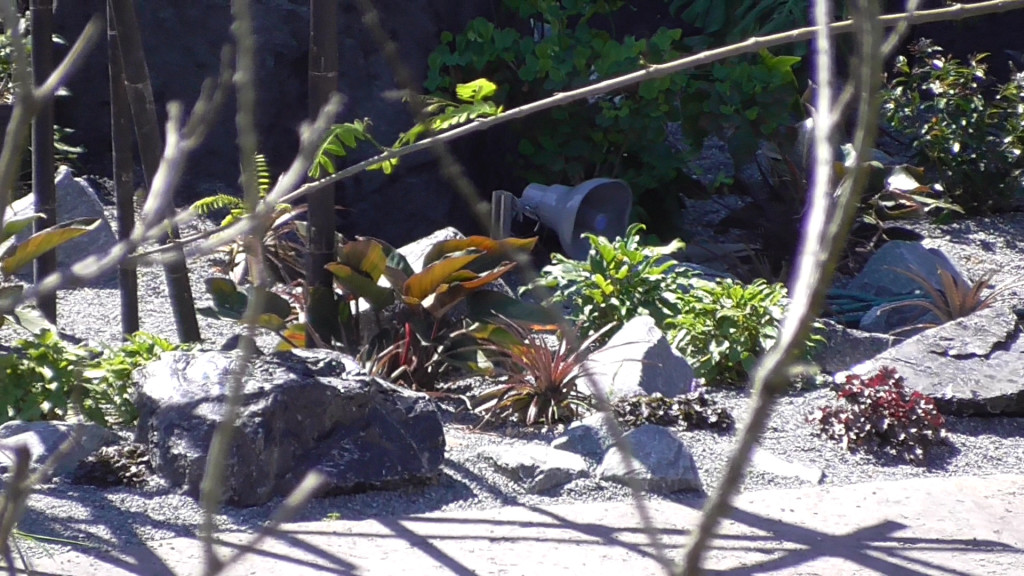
(43, 439)
(880, 278)
(772, 464)
(845, 347)
(661, 462)
(970, 366)
(589, 437)
(907, 320)
(300, 410)
(638, 360)
(537, 467)
(75, 199)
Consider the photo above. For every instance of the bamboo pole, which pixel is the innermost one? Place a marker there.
(121, 146)
(322, 311)
(43, 187)
(147, 132)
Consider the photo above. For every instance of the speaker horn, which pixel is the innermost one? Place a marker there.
(599, 206)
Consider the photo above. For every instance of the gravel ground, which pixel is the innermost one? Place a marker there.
(118, 517)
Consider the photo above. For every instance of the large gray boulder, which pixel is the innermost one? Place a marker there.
(880, 276)
(638, 360)
(884, 276)
(75, 199)
(660, 462)
(970, 366)
(300, 410)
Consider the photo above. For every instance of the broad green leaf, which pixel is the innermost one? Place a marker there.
(354, 283)
(44, 241)
(228, 302)
(478, 89)
(13, 226)
(493, 306)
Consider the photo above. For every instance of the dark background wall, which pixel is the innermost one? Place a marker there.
(183, 39)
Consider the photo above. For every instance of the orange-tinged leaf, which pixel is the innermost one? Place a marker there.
(364, 255)
(422, 284)
(482, 243)
(42, 242)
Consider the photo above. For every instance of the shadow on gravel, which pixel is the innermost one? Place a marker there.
(600, 538)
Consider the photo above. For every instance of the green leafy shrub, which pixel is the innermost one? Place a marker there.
(693, 411)
(724, 326)
(108, 377)
(878, 412)
(49, 378)
(970, 134)
(39, 383)
(620, 280)
(620, 134)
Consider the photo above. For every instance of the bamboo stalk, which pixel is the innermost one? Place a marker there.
(43, 188)
(322, 309)
(147, 132)
(124, 192)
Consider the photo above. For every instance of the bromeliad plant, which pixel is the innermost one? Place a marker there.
(955, 299)
(542, 381)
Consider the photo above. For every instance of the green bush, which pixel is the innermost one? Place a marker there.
(40, 383)
(108, 377)
(50, 379)
(721, 327)
(724, 326)
(971, 134)
(620, 134)
(619, 280)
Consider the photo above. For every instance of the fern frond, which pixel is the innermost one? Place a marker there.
(263, 177)
(205, 206)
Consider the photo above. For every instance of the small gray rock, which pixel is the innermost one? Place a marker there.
(43, 439)
(660, 463)
(537, 467)
(637, 361)
(589, 437)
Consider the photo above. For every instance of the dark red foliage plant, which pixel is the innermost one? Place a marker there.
(878, 412)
